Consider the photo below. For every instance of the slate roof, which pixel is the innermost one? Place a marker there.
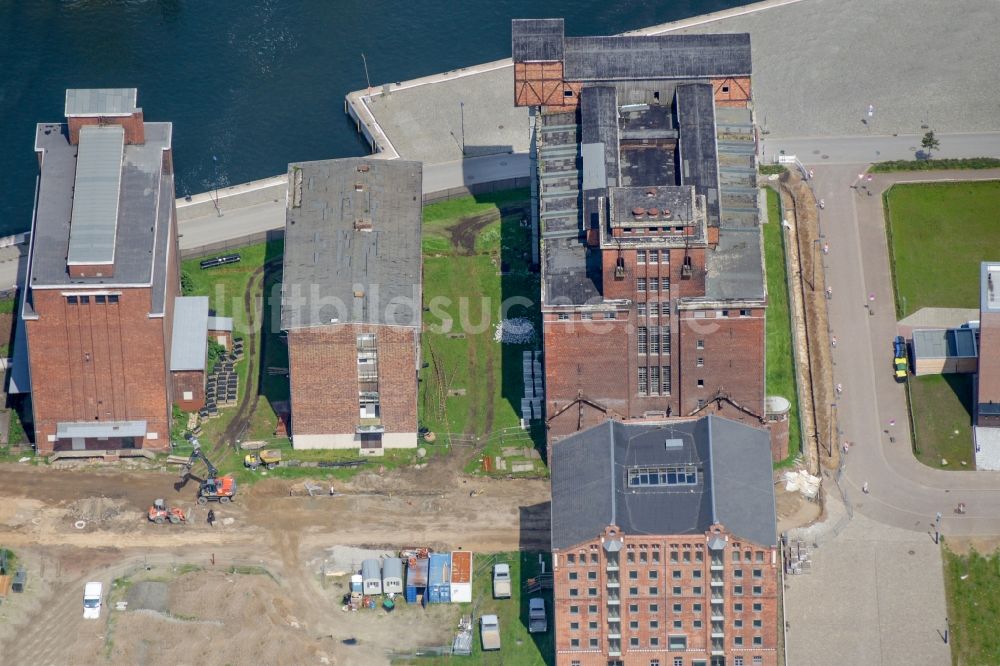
(734, 483)
(537, 39)
(650, 57)
(352, 243)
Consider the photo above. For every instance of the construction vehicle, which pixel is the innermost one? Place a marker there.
(269, 458)
(160, 513)
(214, 488)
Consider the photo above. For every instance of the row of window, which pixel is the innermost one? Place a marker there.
(654, 642)
(587, 316)
(653, 340)
(676, 591)
(682, 475)
(654, 380)
(652, 284)
(654, 309)
(633, 608)
(645, 554)
(654, 257)
(98, 298)
(738, 660)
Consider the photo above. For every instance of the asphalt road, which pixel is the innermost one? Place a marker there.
(903, 492)
(865, 149)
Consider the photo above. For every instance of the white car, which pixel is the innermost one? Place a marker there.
(92, 594)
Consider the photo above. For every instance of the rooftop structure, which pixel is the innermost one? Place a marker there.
(100, 102)
(352, 243)
(988, 384)
(663, 478)
(190, 345)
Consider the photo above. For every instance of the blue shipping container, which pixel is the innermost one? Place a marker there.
(439, 578)
(416, 580)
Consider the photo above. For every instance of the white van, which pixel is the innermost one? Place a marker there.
(92, 594)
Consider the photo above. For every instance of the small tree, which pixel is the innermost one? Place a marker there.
(930, 142)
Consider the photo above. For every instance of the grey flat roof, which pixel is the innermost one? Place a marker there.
(537, 39)
(679, 201)
(94, 222)
(734, 481)
(69, 430)
(100, 102)
(734, 268)
(220, 324)
(144, 214)
(352, 243)
(599, 126)
(944, 343)
(571, 273)
(699, 161)
(656, 57)
(189, 346)
(989, 292)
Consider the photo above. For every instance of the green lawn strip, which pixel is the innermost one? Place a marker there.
(938, 235)
(780, 363)
(942, 420)
(934, 165)
(517, 646)
(973, 607)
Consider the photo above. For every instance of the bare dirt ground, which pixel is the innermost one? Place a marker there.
(285, 615)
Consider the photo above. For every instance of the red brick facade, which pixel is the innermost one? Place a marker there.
(323, 367)
(635, 604)
(99, 362)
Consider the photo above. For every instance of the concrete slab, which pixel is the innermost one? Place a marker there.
(987, 448)
(875, 597)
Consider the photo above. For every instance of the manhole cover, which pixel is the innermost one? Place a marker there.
(825, 157)
(912, 552)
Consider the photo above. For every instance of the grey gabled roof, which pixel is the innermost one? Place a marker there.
(649, 57)
(189, 346)
(535, 40)
(352, 243)
(96, 194)
(734, 488)
(100, 102)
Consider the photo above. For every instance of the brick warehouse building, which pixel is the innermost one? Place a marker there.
(653, 293)
(664, 545)
(351, 303)
(102, 276)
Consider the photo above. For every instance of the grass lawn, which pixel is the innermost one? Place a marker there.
(472, 386)
(517, 646)
(780, 363)
(942, 420)
(973, 607)
(938, 235)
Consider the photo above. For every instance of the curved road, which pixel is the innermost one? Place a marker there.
(904, 492)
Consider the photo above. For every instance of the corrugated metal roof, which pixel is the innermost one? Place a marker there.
(635, 57)
(535, 40)
(220, 324)
(190, 342)
(100, 101)
(94, 221)
(72, 429)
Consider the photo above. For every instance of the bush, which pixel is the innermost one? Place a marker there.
(931, 165)
(215, 350)
(772, 169)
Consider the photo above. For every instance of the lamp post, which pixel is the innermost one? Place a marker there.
(461, 108)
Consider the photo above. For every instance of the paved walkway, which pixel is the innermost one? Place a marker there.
(904, 492)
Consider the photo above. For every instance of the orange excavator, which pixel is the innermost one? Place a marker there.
(214, 488)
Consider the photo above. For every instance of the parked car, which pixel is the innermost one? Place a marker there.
(537, 624)
(92, 593)
(501, 581)
(899, 362)
(489, 632)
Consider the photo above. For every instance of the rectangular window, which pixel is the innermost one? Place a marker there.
(696, 573)
(654, 339)
(665, 284)
(654, 379)
(587, 316)
(737, 590)
(633, 591)
(100, 298)
(591, 591)
(633, 641)
(640, 284)
(654, 256)
(677, 590)
(610, 315)
(653, 573)
(574, 609)
(696, 608)
(665, 380)
(744, 313)
(641, 307)
(592, 608)
(738, 624)
(593, 642)
(758, 607)
(72, 300)
(633, 575)
(634, 625)
(642, 335)
(84, 300)
(678, 608)
(573, 592)
(738, 660)
(113, 298)
(701, 362)
(563, 316)
(701, 383)
(738, 641)
(672, 475)
(640, 256)
(633, 608)
(676, 574)
(758, 641)
(678, 624)
(737, 573)
(664, 258)
(700, 344)
(696, 591)
(654, 624)
(570, 559)
(758, 624)
(758, 660)
(665, 337)
(678, 661)
(654, 309)
(677, 642)
(760, 556)
(592, 626)
(591, 575)
(738, 607)
(574, 626)
(643, 382)
(654, 608)
(654, 641)
(758, 590)
(758, 573)
(723, 313)
(574, 642)
(654, 591)
(654, 284)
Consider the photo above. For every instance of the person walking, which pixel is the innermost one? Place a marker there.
(864, 488)
(840, 388)
(833, 341)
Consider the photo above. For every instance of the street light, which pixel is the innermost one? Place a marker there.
(461, 107)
